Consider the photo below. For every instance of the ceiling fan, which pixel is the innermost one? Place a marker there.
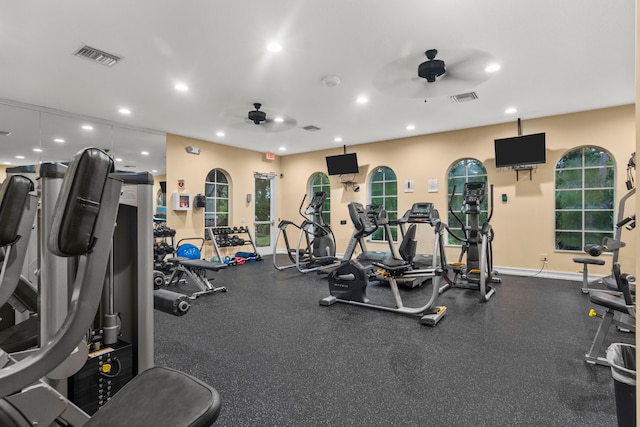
(259, 120)
(456, 71)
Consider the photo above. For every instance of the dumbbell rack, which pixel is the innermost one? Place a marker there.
(164, 245)
(229, 237)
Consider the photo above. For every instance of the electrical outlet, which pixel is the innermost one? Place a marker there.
(544, 257)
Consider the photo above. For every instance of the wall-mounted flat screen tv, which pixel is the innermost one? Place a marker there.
(342, 164)
(520, 150)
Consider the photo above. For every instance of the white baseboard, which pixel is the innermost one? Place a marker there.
(525, 272)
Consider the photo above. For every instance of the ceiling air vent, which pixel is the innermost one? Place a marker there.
(311, 128)
(464, 97)
(5, 133)
(98, 56)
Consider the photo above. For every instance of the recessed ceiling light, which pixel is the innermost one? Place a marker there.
(144, 153)
(125, 111)
(7, 163)
(181, 87)
(362, 99)
(511, 110)
(60, 140)
(19, 157)
(274, 47)
(38, 150)
(219, 133)
(337, 139)
(492, 68)
(87, 127)
(118, 159)
(410, 127)
(283, 148)
(154, 170)
(278, 119)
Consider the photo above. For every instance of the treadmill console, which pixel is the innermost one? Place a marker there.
(422, 212)
(474, 193)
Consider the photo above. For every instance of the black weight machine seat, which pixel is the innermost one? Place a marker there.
(585, 271)
(83, 226)
(621, 303)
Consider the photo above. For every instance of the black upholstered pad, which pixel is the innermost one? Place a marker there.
(608, 300)
(13, 196)
(79, 202)
(160, 397)
(202, 263)
(594, 261)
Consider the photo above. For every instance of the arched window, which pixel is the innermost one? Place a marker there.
(383, 190)
(585, 180)
(216, 190)
(320, 182)
(464, 170)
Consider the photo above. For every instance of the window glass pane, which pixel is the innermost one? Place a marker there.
(568, 220)
(211, 176)
(389, 175)
(594, 156)
(569, 241)
(222, 220)
(568, 199)
(376, 189)
(208, 189)
(572, 159)
(210, 205)
(476, 168)
(222, 190)
(391, 188)
(598, 177)
(459, 169)
(220, 177)
(571, 178)
(222, 205)
(394, 233)
(598, 220)
(598, 199)
(458, 182)
(595, 238)
(378, 175)
(378, 234)
(377, 201)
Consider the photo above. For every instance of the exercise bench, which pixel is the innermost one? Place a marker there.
(196, 271)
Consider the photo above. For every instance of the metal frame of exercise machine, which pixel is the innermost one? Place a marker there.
(478, 262)
(348, 283)
(318, 237)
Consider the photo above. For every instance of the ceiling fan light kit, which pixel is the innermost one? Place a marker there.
(257, 116)
(432, 68)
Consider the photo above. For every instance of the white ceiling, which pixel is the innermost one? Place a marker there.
(555, 57)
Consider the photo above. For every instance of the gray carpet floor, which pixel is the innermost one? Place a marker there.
(278, 358)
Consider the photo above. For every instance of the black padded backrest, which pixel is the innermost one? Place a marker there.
(407, 249)
(13, 199)
(623, 284)
(79, 202)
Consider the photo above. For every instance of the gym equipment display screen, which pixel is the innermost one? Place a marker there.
(520, 150)
(342, 164)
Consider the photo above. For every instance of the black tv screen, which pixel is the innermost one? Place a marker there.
(520, 150)
(342, 164)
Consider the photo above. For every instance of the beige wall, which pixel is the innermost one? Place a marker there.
(239, 164)
(524, 224)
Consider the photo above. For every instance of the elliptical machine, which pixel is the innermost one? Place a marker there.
(319, 247)
(477, 273)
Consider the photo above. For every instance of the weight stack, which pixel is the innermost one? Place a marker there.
(171, 302)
